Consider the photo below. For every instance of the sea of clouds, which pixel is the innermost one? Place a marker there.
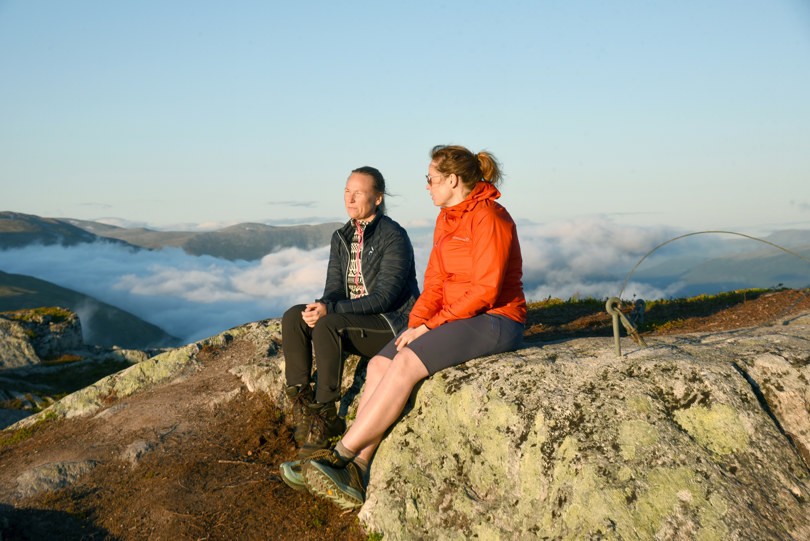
(193, 297)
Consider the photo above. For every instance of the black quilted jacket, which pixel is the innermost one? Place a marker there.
(389, 274)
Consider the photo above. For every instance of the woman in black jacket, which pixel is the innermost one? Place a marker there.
(370, 289)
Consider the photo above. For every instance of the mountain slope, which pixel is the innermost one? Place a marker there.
(761, 267)
(251, 241)
(18, 230)
(102, 324)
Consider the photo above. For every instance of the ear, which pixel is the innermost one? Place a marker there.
(379, 200)
(454, 180)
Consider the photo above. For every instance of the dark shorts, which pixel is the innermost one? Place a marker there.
(459, 341)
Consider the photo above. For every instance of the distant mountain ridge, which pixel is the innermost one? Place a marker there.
(18, 230)
(246, 241)
(762, 266)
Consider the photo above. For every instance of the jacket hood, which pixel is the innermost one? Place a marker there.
(482, 191)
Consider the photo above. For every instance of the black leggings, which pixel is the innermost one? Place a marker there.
(332, 335)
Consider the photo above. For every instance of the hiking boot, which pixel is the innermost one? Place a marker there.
(292, 475)
(343, 486)
(325, 426)
(301, 397)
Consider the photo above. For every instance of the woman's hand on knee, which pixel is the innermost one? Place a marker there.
(409, 335)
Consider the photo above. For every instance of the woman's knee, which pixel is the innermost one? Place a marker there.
(377, 367)
(408, 366)
(292, 316)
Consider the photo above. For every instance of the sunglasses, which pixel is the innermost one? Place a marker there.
(429, 181)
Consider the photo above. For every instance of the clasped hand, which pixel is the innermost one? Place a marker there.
(313, 312)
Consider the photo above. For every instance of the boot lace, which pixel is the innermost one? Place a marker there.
(318, 425)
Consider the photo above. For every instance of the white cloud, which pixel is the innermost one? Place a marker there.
(190, 297)
(803, 206)
(194, 297)
(588, 257)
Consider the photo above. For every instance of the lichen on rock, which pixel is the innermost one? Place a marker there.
(718, 428)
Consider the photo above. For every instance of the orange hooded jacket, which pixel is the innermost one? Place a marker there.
(475, 266)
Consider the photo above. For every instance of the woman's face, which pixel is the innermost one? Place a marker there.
(437, 185)
(360, 197)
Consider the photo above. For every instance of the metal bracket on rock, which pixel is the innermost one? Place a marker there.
(613, 307)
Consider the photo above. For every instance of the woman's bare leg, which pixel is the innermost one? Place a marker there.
(379, 409)
(374, 372)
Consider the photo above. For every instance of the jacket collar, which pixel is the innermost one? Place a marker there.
(482, 191)
(348, 228)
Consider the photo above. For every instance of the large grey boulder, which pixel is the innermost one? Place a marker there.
(50, 332)
(29, 336)
(16, 350)
(55, 331)
(568, 441)
(51, 477)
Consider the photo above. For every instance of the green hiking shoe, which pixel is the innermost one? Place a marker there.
(342, 486)
(329, 457)
(292, 474)
(300, 397)
(325, 426)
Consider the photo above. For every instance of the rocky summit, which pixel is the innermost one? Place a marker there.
(41, 352)
(698, 436)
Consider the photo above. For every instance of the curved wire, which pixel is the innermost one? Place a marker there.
(702, 233)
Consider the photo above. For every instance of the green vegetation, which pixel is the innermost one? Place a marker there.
(668, 314)
(6, 291)
(557, 312)
(25, 433)
(318, 515)
(13, 404)
(703, 305)
(555, 319)
(16, 436)
(56, 314)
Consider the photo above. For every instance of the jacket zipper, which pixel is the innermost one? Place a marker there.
(346, 282)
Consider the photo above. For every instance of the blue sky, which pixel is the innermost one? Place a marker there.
(690, 114)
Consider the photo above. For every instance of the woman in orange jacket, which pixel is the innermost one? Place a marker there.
(472, 305)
